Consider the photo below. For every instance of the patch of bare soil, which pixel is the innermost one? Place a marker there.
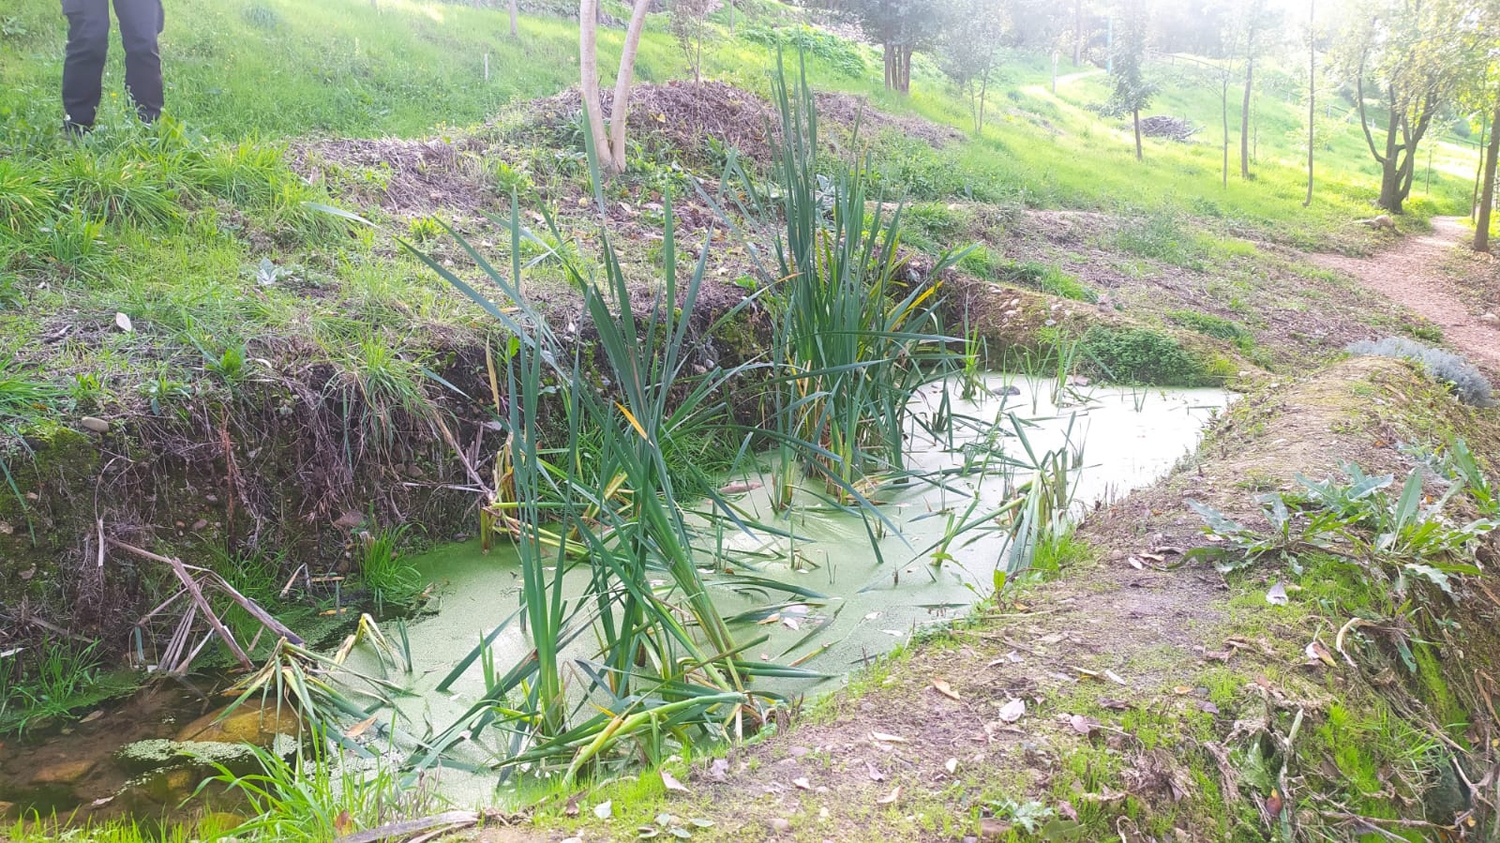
(848, 110)
(1411, 276)
(402, 175)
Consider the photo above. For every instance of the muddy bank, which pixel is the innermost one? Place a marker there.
(1144, 697)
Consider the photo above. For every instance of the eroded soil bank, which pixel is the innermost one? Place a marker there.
(1158, 698)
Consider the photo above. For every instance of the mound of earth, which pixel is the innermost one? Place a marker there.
(416, 175)
(846, 110)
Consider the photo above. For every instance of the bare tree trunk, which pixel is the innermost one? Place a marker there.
(515, 31)
(1137, 113)
(1390, 167)
(1312, 93)
(1478, 173)
(1245, 108)
(620, 108)
(588, 66)
(1487, 199)
(1224, 107)
(984, 87)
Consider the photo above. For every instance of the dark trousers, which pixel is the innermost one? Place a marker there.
(88, 45)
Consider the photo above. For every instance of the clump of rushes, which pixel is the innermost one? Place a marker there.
(856, 337)
(666, 670)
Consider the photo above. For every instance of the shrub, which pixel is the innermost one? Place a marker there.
(1449, 369)
(1141, 356)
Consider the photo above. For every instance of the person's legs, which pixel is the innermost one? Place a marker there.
(140, 22)
(83, 69)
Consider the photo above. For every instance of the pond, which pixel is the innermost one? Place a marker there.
(855, 600)
(862, 597)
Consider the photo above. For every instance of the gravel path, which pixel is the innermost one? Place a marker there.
(1409, 276)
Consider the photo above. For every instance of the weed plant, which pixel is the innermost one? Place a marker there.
(1357, 519)
(47, 681)
(383, 569)
(314, 798)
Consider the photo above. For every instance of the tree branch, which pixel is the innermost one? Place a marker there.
(1364, 122)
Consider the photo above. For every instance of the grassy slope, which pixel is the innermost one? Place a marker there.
(281, 69)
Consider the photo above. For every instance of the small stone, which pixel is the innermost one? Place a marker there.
(63, 772)
(94, 424)
(200, 524)
(211, 498)
(1490, 318)
(179, 525)
(781, 825)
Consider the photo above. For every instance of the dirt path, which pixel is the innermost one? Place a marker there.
(1409, 275)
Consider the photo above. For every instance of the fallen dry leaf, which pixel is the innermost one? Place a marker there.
(802, 784)
(1113, 677)
(123, 323)
(875, 774)
(942, 687)
(1012, 711)
(359, 728)
(951, 765)
(1066, 810)
(1316, 652)
(1083, 725)
(890, 798)
(1276, 596)
(1113, 704)
(671, 783)
(883, 737)
(604, 810)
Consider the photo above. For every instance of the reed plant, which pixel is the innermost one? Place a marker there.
(651, 652)
(857, 331)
